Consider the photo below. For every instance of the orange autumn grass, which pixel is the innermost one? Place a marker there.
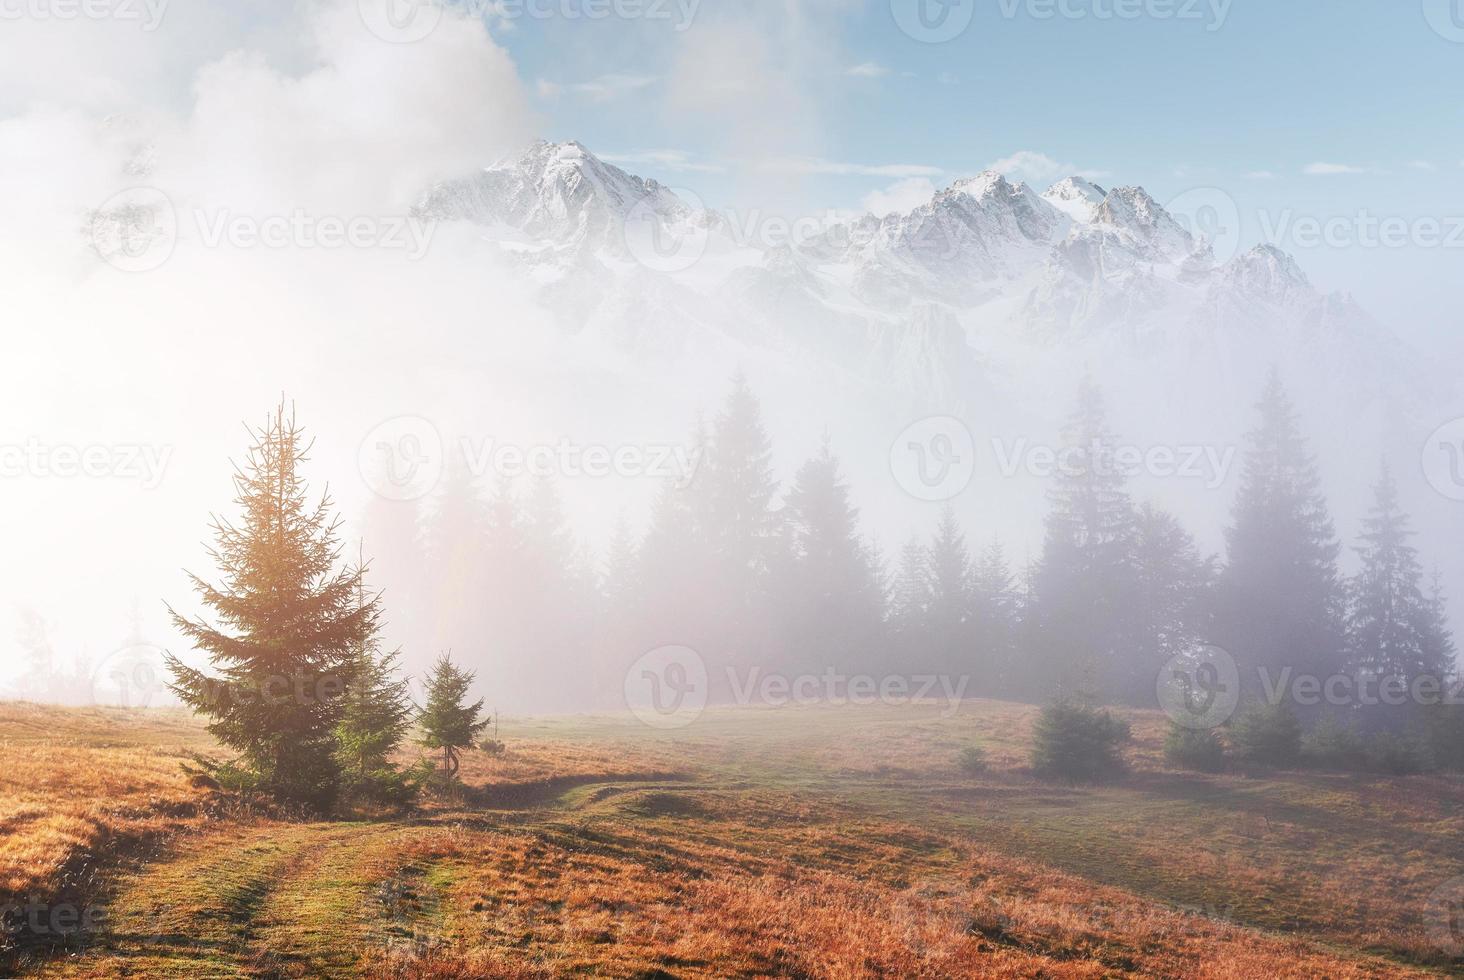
(834, 841)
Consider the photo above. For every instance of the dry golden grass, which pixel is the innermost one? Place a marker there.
(812, 842)
(76, 779)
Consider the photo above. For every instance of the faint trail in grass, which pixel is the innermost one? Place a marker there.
(196, 914)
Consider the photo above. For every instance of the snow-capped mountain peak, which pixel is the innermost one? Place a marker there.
(928, 290)
(1134, 214)
(554, 193)
(1076, 197)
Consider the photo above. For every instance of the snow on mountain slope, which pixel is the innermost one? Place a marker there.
(1075, 197)
(936, 300)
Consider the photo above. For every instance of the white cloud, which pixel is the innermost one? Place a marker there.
(672, 160)
(813, 166)
(868, 69)
(1259, 175)
(1039, 168)
(605, 88)
(902, 195)
(1323, 169)
(1424, 165)
(759, 80)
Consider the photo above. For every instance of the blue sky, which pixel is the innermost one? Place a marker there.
(1323, 110)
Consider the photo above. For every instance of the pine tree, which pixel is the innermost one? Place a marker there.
(831, 593)
(677, 595)
(1083, 582)
(910, 605)
(447, 723)
(1438, 640)
(995, 615)
(376, 713)
(734, 496)
(1393, 629)
(1279, 600)
(1170, 599)
(289, 621)
(950, 615)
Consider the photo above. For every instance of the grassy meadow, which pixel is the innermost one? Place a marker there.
(826, 841)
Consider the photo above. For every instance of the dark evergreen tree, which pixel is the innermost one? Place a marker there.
(996, 622)
(734, 495)
(1083, 582)
(949, 619)
(1279, 599)
(289, 622)
(1393, 628)
(447, 722)
(831, 595)
(1171, 602)
(910, 605)
(376, 713)
(1437, 638)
